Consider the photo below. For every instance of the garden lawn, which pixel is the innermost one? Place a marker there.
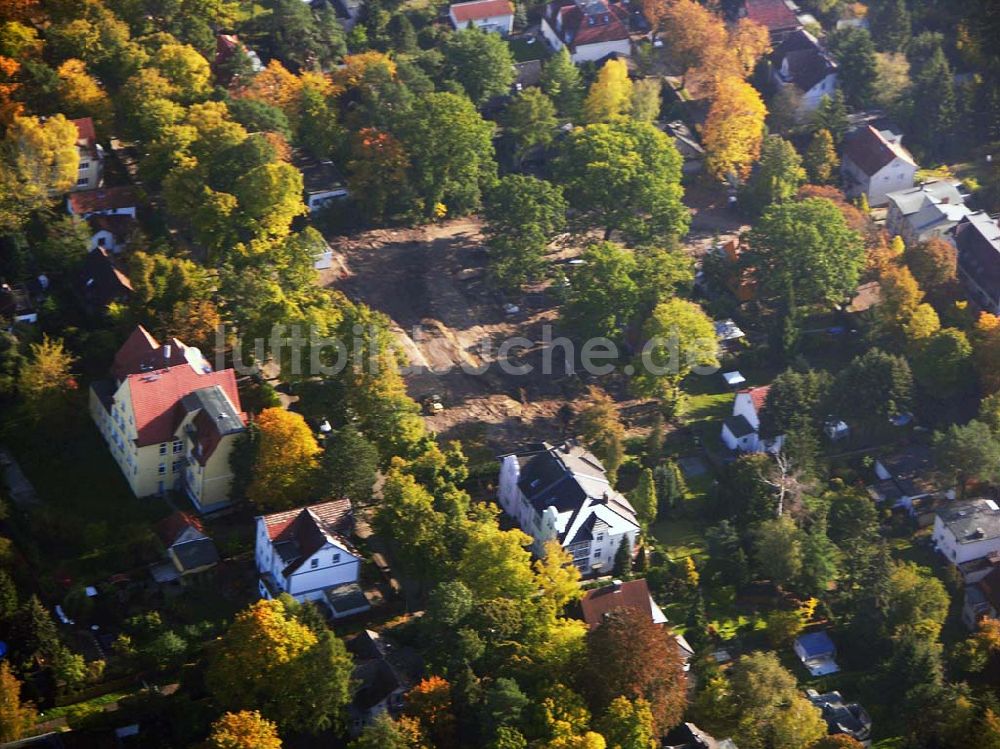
(523, 51)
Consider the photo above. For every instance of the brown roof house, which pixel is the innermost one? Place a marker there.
(101, 282)
(90, 172)
(779, 17)
(489, 15)
(875, 164)
(590, 29)
(306, 553)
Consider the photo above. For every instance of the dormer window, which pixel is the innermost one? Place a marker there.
(313, 563)
(336, 558)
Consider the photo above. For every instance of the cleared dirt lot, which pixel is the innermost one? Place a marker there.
(430, 282)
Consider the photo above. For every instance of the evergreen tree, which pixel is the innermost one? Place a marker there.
(831, 115)
(644, 498)
(696, 626)
(349, 465)
(933, 88)
(561, 81)
(821, 158)
(669, 486)
(890, 25)
(855, 52)
(623, 560)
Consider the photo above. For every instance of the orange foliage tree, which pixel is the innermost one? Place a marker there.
(430, 703)
(734, 129)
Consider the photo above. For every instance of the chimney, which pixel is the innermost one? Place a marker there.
(946, 200)
(166, 353)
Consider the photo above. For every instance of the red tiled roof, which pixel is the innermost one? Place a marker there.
(868, 149)
(773, 14)
(633, 594)
(86, 135)
(141, 352)
(758, 395)
(570, 22)
(480, 9)
(309, 527)
(156, 395)
(103, 199)
(171, 527)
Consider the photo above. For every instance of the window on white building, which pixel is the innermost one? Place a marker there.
(83, 181)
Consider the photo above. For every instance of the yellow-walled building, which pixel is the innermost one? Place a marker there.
(170, 421)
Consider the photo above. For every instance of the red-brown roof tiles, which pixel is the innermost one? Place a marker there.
(103, 199)
(758, 395)
(480, 9)
(773, 14)
(870, 151)
(633, 594)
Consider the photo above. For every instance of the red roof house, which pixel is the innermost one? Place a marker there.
(775, 15)
(590, 29)
(490, 15)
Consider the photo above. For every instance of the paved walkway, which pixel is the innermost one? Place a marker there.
(18, 486)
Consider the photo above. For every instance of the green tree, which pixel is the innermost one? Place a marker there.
(942, 362)
(831, 115)
(603, 295)
(855, 52)
(645, 104)
(417, 531)
(45, 382)
(644, 498)
(890, 24)
(820, 559)
(873, 388)
(966, 453)
(530, 119)
(772, 712)
(670, 487)
(934, 88)
(602, 431)
(795, 400)
(627, 724)
(776, 177)
(451, 153)
(626, 177)
(268, 660)
(349, 465)
(806, 248)
(778, 550)
(821, 158)
(386, 733)
(916, 602)
(522, 215)
(679, 339)
(496, 563)
(480, 62)
(562, 83)
(727, 561)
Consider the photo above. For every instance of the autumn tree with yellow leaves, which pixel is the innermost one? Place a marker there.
(610, 95)
(734, 129)
(284, 473)
(246, 729)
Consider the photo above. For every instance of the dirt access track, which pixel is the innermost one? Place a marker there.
(431, 282)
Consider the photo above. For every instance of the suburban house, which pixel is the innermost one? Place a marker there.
(842, 717)
(801, 61)
(817, 653)
(101, 282)
(967, 530)
(383, 674)
(90, 173)
(689, 736)
(741, 431)
(107, 201)
(874, 164)
(977, 237)
(110, 231)
(906, 475)
(779, 17)
(489, 15)
(632, 594)
(170, 421)
(320, 179)
(562, 492)
(930, 209)
(982, 598)
(189, 551)
(590, 29)
(305, 553)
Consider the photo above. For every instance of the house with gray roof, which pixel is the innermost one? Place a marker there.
(562, 492)
(930, 209)
(842, 717)
(967, 530)
(801, 61)
(977, 238)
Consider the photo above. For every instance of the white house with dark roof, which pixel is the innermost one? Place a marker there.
(875, 163)
(801, 61)
(977, 238)
(305, 553)
(562, 492)
(929, 210)
(967, 530)
(590, 29)
(741, 431)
